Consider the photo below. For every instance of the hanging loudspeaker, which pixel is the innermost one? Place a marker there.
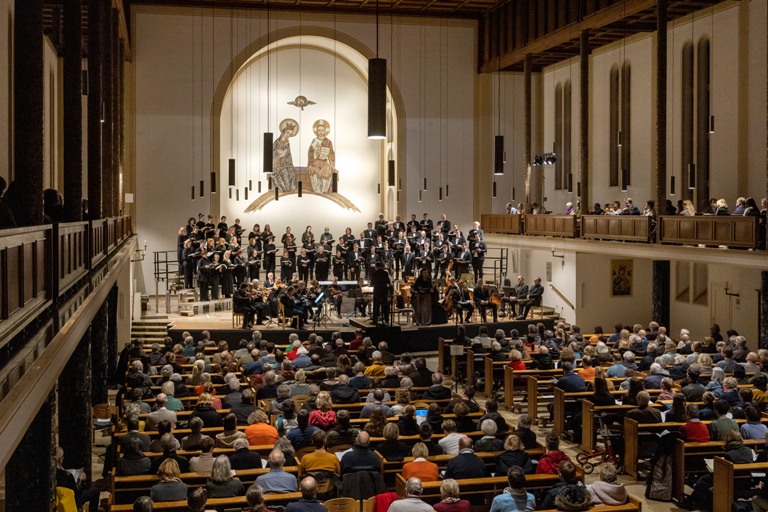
(193, 192)
(691, 176)
(202, 188)
(391, 173)
(267, 157)
(231, 172)
(494, 189)
(672, 185)
(213, 182)
(301, 189)
(498, 152)
(377, 98)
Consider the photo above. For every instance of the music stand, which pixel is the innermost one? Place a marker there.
(324, 317)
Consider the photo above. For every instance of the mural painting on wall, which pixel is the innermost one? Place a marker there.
(317, 177)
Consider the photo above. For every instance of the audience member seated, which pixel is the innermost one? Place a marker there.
(376, 423)
(203, 463)
(753, 428)
(513, 455)
(450, 442)
(451, 498)
(361, 457)
(422, 377)
(619, 368)
(643, 413)
(524, 432)
(607, 490)
(205, 411)
(231, 434)
(301, 436)
(466, 464)
(694, 429)
(133, 461)
(437, 391)
(360, 380)
(308, 501)
(260, 432)
(412, 501)
(468, 397)
(407, 421)
(694, 390)
(197, 500)
(720, 426)
(435, 417)
(160, 414)
(731, 391)
(243, 457)
(344, 393)
(343, 432)
(277, 480)
(402, 398)
(550, 461)
(464, 423)
(169, 443)
(489, 442)
(392, 448)
(324, 416)
(222, 484)
(678, 411)
(515, 497)
(425, 437)
(378, 398)
(420, 467)
(320, 459)
(170, 487)
(567, 473)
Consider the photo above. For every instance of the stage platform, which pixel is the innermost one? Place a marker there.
(401, 338)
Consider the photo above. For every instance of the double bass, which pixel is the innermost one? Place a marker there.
(447, 297)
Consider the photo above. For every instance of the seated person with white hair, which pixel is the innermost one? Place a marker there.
(412, 501)
(489, 442)
(627, 361)
(644, 413)
(437, 391)
(391, 380)
(653, 380)
(376, 368)
(243, 457)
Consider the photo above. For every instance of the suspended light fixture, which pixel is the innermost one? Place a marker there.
(202, 188)
(245, 193)
(377, 91)
(494, 188)
(624, 179)
(269, 137)
(213, 182)
(672, 185)
(301, 189)
(335, 183)
(269, 182)
(692, 176)
(498, 140)
(258, 188)
(391, 173)
(498, 160)
(277, 194)
(231, 172)
(193, 192)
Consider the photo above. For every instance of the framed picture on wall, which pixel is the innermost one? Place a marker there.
(621, 278)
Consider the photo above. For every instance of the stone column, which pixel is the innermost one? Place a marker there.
(73, 113)
(28, 105)
(95, 49)
(30, 476)
(584, 121)
(121, 127)
(660, 183)
(762, 331)
(660, 290)
(99, 332)
(75, 408)
(112, 353)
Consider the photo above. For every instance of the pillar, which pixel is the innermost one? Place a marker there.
(660, 183)
(75, 407)
(584, 121)
(28, 105)
(99, 332)
(107, 91)
(528, 128)
(111, 340)
(762, 328)
(30, 476)
(121, 128)
(94, 108)
(73, 113)
(660, 292)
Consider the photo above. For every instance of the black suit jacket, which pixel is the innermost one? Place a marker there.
(245, 459)
(466, 465)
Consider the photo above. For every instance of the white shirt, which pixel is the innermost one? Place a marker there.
(450, 443)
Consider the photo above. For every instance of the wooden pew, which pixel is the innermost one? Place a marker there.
(220, 504)
(684, 451)
(724, 477)
(633, 504)
(535, 379)
(125, 489)
(561, 397)
(488, 486)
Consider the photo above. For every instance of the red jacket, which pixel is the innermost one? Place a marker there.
(695, 431)
(324, 420)
(550, 462)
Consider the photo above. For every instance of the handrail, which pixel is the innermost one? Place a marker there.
(560, 294)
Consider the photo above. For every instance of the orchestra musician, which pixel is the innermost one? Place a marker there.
(321, 263)
(242, 303)
(421, 298)
(286, 266)
(461, 302)
(337, 296)
(382, 288)
(408, 262)
(269, 282)
(293, 306)
(482, 296)
(361, 301)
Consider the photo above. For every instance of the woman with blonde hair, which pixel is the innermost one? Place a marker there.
(205, 411)
(198, 368)
(514, 455)
(421, 467)
(705, 364)
(451, 498)
(222, 484)
(688, 209)
(170, 487)
(403, 398)
(324, 416)
(392, 448)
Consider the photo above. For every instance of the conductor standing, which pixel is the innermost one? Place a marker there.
(381, 287)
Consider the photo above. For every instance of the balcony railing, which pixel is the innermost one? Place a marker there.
(40, 263)
(710, 230)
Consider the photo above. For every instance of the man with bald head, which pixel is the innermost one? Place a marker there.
(361, 457)
(466, 464)
(277, 480)
(162, 413)
(308, 501)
